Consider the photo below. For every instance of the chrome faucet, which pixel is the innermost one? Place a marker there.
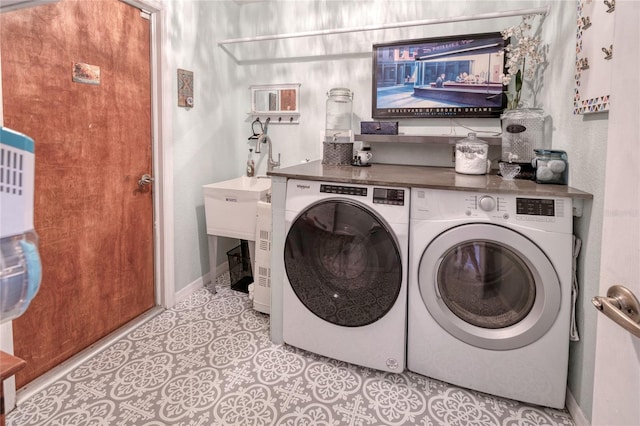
(271, 164)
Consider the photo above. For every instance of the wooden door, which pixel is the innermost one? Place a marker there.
(616, 385)
(93, 143)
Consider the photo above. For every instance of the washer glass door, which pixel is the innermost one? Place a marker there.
(343, 263)
(489, 286)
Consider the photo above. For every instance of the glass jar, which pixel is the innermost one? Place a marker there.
(471, 156)
(522, 132)
(551, 166)
(339, 115)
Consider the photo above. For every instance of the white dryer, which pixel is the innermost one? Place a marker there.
(490, 292)
(345, 257)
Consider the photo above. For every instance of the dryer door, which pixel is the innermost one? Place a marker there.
(343, 263)
(489, 286)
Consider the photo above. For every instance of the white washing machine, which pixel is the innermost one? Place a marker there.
(490, 292)
(345, 257)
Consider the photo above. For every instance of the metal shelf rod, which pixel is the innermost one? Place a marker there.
(481, 16)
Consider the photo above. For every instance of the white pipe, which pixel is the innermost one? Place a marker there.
(519, 12)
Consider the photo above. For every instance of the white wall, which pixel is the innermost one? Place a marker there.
(585, 140)
(207, 144)
(210, 140)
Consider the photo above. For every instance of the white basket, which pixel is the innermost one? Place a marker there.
(17, 167)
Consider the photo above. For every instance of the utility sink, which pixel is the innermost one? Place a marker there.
(230, 206)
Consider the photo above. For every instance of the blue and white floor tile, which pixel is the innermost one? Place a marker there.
(209, 361)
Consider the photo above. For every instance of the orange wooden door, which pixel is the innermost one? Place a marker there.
(93, 143)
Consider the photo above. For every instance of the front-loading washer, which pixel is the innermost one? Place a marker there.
(345, 286)
(489, 296)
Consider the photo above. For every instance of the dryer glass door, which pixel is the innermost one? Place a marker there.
(489, 286)
(486, 284)
(343, 263)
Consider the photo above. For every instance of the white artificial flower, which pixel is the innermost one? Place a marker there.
(522, 54)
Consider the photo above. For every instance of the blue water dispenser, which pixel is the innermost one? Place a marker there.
(20, 267)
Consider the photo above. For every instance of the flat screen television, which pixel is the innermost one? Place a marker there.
(453, 76)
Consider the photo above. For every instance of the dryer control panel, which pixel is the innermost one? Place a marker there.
(547, 213)
(536, 206)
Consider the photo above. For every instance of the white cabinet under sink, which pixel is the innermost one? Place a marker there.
(230, 211)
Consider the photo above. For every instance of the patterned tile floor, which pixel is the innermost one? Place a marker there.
(209, 361)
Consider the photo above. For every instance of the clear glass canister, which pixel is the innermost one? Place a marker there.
(471, 156)
(522, 132)
(339, 115)
(551, 166)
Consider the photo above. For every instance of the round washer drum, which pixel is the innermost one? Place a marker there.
(343, 263)
(489, 286)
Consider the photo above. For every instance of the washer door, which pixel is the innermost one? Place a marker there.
(489, 286)
(343, 263)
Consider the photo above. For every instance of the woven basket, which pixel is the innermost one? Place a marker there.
(337, 153)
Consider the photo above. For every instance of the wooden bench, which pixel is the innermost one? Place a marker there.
(9, 365)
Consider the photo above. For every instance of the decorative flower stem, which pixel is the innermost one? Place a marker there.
(521, 47)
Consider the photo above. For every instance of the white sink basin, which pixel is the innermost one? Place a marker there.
(230, 206)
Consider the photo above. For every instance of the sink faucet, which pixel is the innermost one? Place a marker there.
(271, 164)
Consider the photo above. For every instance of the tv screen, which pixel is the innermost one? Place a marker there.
(453, 76)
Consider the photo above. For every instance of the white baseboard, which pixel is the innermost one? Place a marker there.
(576, 412)
(196, 285)
(262, 307)
(191, 288)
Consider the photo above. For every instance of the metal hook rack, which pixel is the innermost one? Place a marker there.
(292, 118)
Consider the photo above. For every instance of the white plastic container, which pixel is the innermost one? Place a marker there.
(471, 156)
(20, 266)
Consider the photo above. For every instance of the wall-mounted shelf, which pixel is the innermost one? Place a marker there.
(423, 139)
(277, 102)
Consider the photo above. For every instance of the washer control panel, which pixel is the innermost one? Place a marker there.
(390, 196)
(343, 190)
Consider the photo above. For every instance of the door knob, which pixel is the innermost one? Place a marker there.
(146, 179)
(622, 306)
